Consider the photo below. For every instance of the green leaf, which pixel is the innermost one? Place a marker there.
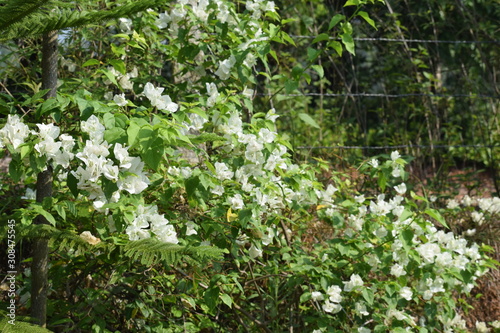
(368, 296)
(319, 69)
(153, 154)
(119, 65)
(72, 184)
(337, 46)
(312, 54)
(38, 209)
(320, 38)
(15, 170)
(91, 62)
(367, 18)
(191, 185)
(308, 120)
(227, 300)
(417, 197)
(348, 43)
(335, 20)
(437, 216)
(116, 134)
(290, 86)
(211, 296)
(352, 3)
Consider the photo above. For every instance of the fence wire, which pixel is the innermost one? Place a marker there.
(398, 147)
(399, 40)
(384, 95)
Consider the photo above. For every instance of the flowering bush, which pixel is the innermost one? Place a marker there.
(122, 154)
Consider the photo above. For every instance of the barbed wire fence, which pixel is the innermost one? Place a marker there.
(443, 148)
(380, 95)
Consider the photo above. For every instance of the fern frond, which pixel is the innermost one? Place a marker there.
(20, 326)
(49, 19)
(14, 11)
(59, 240)
(151, 251)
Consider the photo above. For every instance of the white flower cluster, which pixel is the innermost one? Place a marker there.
(97, 164)
(488, 206)
(199, 8)
(58, 151)
(124, 170)
(147, 221)
(162, 102)
(257, 7)
(14, 132)
(122, 79)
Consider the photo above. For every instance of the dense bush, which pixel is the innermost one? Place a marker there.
(177, 205)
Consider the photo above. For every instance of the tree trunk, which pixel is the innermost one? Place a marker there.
(39, 267)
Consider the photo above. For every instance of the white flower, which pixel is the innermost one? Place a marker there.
(406, 293)
(254, 252)
(212, 94)
(428, 252)
(166, 233)
(48, 131)
(94, 128)
(481, 327)
(359, 198)
(334, 293)
(374, 163)
(218, 190)
(163, 20)
(250, 60)
(125, 24)
(364, 330)
(30, 194)
(222, 171)
(331, 307)
(14, 132)
(236, 202)
(360, 308)
(139, 229)
(401, 188)
(224, 70)
(317, 296)
(165, 103)
(397, 270)
(396, 172)
(266, 135)
(190, 230)
(355, 281)
(470, 232)
(122, 155)
(120, 100)
(268, 237)
(452, 204)
(162, 102)
(133, 184)
(381, 232)
(395, 155)
(477, 217)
